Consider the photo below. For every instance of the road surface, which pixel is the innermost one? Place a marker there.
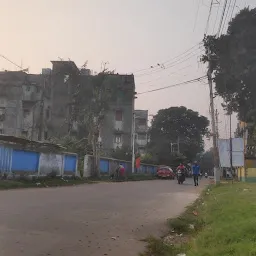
(94, 220)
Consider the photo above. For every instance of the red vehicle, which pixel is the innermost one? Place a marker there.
(165, 172)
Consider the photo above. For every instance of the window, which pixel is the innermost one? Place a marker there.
(24, 133)
(1, 131)
(45, 135)
(25, 112)
(47, 114)
(119, 115)
(142, 122)
(2, 114)
(142, 137)
(118, 139)
(28, 88)
(37, 89)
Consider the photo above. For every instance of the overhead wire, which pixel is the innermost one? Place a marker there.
(208, 19)
(225, 19)
(2, 56)
(232, 12)
(216, 17)
(222, 17)
(197, 12)
(170, 65)
(170, 60)
(172, 73)
(174, 85)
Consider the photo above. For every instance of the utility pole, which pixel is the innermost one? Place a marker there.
(133, 141)
(217, 122)
(41, 120)
(178, 143)
(214, 133)
(230, 143)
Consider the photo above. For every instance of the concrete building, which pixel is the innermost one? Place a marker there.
(21, 97)
(67, 81)
(45, 105)
(141, 130)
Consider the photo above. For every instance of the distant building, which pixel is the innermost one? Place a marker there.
(21, 97)
(40, 106)
(117, 123)
(141, 130)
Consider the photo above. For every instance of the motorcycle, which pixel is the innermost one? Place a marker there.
(180, 177)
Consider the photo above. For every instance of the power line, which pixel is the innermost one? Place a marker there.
(224, 23)
(208, 19)
(165, 62)
(222, 17)
(216, 18)
(197, 11)
(233, 8)
(172, 73)
(170, 65)
(10, 61)
(174, 85)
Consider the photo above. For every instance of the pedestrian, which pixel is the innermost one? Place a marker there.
(121, 172)
(195, 172)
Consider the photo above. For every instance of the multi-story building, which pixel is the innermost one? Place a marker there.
(42, 105)
(67, 81)
(141, 130)
(21, 108)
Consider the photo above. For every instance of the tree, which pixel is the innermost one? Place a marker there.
(232, 58)
(177, 124)
(206, 161)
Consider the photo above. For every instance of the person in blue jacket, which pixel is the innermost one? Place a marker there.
(195, 172)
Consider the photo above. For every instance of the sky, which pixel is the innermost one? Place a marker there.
(131, 36)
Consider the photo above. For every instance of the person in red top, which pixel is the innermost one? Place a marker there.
(181, 167)
(121, 172)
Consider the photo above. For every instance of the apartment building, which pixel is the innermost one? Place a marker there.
(39, 106)
(21, 97)
(141, 130)
(68, 80)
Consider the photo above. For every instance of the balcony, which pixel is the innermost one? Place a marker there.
(118, 126)
(29, 96)
(141, 143)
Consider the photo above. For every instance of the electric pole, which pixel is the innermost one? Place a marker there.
(41, 118)
(214, 132)
(230, 143)
(133, 141)
(217, 122)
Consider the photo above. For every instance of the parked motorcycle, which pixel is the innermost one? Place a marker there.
(180, 177)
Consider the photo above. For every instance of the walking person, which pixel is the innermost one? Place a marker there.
(195, 172)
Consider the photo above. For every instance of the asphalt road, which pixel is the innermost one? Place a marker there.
(94, 220)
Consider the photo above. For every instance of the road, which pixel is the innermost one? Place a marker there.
(94, 220)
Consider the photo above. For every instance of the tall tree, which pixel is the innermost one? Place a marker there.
(232, 58)
(177, 125)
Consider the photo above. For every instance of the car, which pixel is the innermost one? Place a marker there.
(165, 172)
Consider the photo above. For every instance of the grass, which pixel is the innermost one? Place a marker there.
(59, 182)
(41, 182)
(223, 222)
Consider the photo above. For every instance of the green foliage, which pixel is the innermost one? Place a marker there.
(123, 153)
(228, 212)
(173, 123)
(74, 145)
(233, 60)
(148, 159)
(206, 161)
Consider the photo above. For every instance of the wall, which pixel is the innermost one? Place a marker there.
(23, 162)
(108, 165)
(250, 173)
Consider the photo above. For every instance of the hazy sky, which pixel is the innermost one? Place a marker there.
(130, 35)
